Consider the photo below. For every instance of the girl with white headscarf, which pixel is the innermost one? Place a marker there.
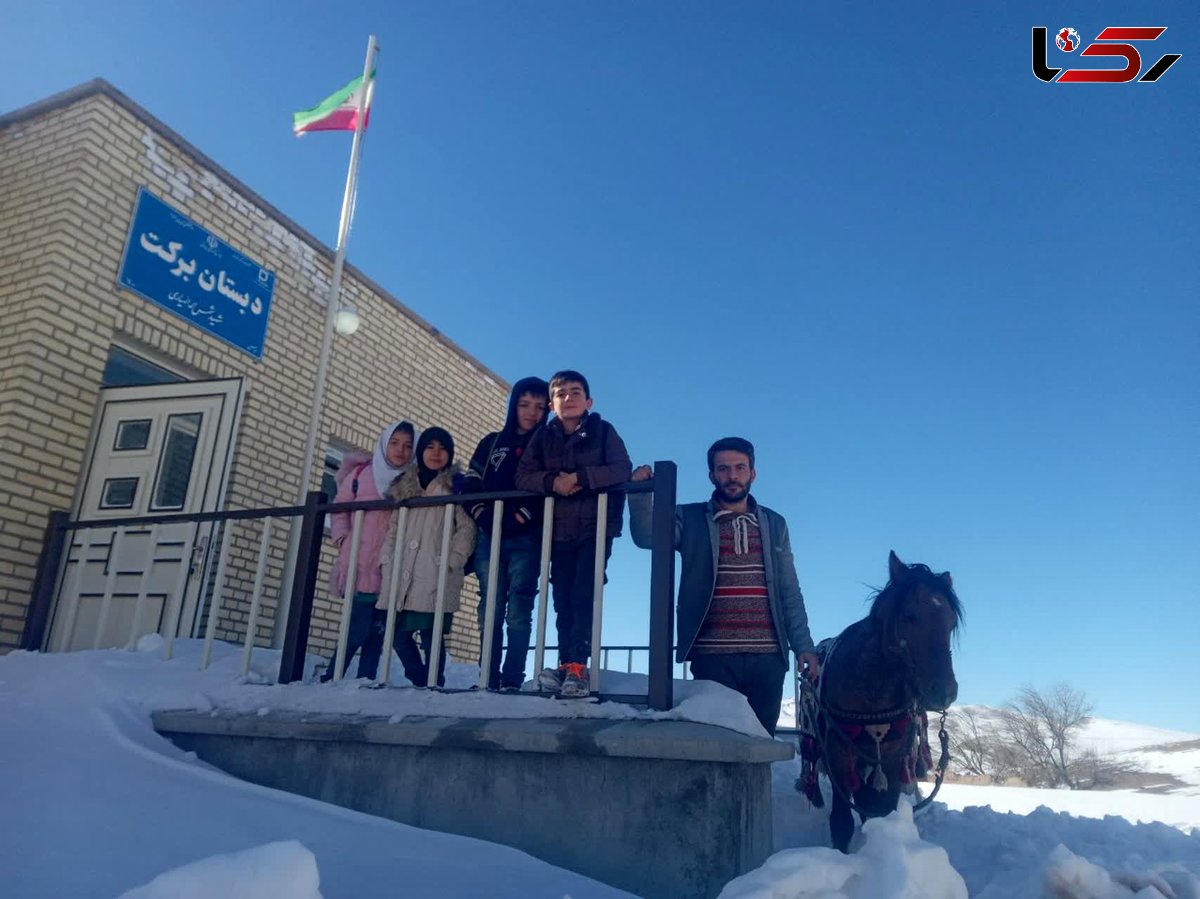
(359, 479)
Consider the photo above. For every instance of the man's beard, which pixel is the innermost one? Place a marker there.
(734, 493)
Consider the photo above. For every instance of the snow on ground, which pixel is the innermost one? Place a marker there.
(276, 869)
(222, 688)
(1175, 810)
(1005, 843)
(1183, 765)
(97, 804)
(1177, 762)
(893, 861)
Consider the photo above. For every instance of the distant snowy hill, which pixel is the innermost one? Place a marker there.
(1105, 736)
(1169, 759)
(1174, 754)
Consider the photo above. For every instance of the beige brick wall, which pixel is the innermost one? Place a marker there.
(46, 383)
(69, 175)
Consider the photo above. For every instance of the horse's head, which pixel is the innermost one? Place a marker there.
(916, 615)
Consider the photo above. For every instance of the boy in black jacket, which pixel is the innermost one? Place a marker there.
(576, 456)
(494, 468)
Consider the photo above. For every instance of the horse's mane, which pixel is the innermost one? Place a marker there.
(884, 602)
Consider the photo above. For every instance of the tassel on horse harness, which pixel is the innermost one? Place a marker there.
(877, 732)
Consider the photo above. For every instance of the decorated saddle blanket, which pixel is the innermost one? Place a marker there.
(857, 747)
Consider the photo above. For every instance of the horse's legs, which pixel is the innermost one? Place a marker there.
(841, 823)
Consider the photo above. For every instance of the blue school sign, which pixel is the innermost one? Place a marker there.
(176, 264)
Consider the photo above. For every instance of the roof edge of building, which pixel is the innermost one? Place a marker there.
(100, 86)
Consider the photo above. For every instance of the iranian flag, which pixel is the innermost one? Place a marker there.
(338, 111)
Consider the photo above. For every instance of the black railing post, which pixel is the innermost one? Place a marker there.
(662, 588)
(304, 584)
(41, 597)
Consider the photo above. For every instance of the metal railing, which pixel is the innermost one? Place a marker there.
(662, 586)
(55, 577)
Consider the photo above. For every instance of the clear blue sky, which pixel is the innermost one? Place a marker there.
(956, 308)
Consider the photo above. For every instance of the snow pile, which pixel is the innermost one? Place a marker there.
(1010, 856)
(1002, 840)
(892, 863)
(96, 803)
(266, 872)
(1071, 877)
(1179, 810)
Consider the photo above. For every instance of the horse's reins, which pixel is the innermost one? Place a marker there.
(813, 701)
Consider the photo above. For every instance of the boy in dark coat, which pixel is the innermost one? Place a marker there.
(576, 456)
(494, 468)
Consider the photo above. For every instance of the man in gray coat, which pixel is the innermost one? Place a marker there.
(740, 605)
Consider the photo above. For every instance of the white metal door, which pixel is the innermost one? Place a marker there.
(158, 449)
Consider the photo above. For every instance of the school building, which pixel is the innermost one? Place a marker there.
(159, 358)
(162, 330)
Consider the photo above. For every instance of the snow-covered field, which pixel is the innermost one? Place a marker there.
(1012, 842)
(97, 804)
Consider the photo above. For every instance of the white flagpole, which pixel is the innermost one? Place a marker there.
(332, 304)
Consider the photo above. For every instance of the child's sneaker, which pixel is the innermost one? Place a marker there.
(550, 680)
(575, 684)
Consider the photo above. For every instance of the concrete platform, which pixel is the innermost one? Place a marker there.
(659, 808)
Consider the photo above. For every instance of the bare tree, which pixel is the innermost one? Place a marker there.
(973, 742)
(1042, 727)
(1005, 761)
(1092, 771)
(980, 747)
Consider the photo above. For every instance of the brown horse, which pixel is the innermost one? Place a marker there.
(864, 720)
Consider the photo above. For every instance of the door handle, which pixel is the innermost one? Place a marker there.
(199, 548)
